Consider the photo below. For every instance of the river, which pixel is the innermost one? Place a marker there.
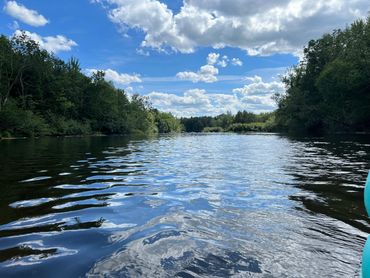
(189, 205)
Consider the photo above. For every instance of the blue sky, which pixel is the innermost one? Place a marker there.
(191, 57)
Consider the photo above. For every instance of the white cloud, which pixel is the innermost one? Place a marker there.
(236, 62)
(118, 79)
(260, 28)
(52, 44)
(257, 87)
(193, 102)
(215, 59)
(223, 62)
(207, 74)
(212, 58)
(255, 96)
(24, 14)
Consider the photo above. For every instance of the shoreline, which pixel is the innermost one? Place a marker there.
(203, 132)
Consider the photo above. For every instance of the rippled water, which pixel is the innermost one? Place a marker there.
(183, 206)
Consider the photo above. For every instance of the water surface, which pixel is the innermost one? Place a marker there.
(202, 205)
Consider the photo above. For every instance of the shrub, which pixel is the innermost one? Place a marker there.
(20, 122)
(213, 129)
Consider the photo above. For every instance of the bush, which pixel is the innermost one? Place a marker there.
(62, 126)
(213, 129)
(20, 122)
(166, 122)
(250, 127)
(5, 134)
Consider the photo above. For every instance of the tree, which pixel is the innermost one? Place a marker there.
(43, 95)
(329, 91)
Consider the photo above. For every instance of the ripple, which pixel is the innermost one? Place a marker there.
(31, 203)
(25, 255)
(41, 178)
(187, 206)
(65, 174)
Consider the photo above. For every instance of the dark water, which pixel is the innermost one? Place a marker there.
(183, 206)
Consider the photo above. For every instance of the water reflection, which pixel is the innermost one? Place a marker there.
(184, 206)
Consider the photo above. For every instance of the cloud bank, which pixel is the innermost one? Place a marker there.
(258, 27)
(255, 96)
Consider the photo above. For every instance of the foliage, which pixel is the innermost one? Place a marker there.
(14, 120)
(249, 127)
(243, 121)
(197, 124)
(329, 91)
(213, 129)
(43, 95)
(166, 122)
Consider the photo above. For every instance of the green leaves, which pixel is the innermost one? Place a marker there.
(42, 95)
(329, 91)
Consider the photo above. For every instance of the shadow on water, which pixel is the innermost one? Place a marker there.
(335, 170)
(194, 205)
(25, 200)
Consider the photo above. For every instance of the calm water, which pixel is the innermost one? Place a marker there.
(183, 206)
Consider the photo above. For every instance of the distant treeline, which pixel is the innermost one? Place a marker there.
(329, 91)
(243, 121)
(43, 95)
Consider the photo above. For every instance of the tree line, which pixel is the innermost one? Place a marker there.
(329, 90)
(43, 95)
(243, 121)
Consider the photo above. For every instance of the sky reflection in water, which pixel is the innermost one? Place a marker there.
(188, 205)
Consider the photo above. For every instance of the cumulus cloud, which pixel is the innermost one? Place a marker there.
(193, 103)
(258, 92)
(260, 28)
(257, 87)
(24, 14)
(236, 62)
(207, 73)
(212, 58)
(52, 44)
(118, 78)
(256, 96)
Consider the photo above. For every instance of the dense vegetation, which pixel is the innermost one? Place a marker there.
(43, 95)
(329, 91)
(243, 121)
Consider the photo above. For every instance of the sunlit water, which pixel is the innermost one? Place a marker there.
(183, 206)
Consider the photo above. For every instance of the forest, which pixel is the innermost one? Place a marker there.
(327, 92)
(43, 95)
